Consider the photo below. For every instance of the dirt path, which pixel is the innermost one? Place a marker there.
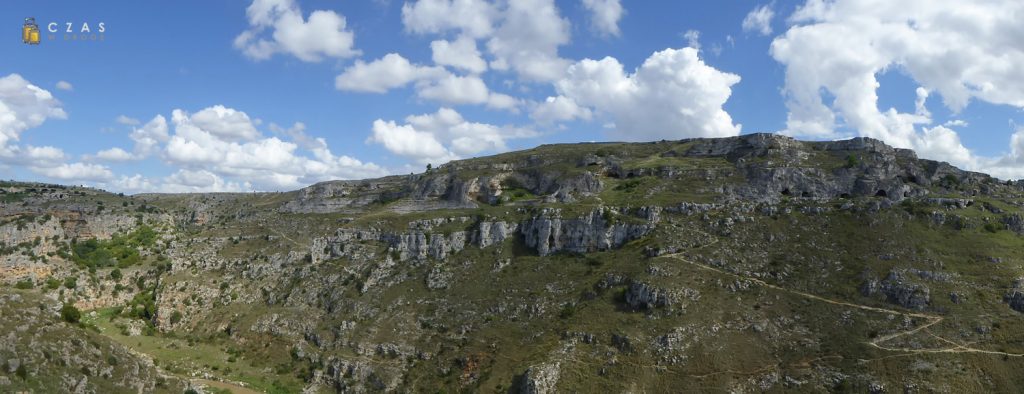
(234, 388)
(876, 343)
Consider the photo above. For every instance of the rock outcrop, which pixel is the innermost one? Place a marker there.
(541, 379)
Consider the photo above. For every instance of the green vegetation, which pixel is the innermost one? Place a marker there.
(120, 250)
(852, 161)
(24, 284)
(70, 314)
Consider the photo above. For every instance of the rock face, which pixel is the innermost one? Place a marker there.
(549, 233)
(541, 379)
(1014, 222)
(644, 296)
(57, 357)
(898, 290)
(1015, 297)
(874, 168)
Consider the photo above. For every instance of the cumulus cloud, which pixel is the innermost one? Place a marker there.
(461, 53)
(521, 36)
(226, 123)
(64, 85)
(454, 89)
(148, 137)
(405, 140)
(673, 94)
(389, 72)
(528, 38)
(840, 47)
(114, 154)
(759, 20)
(432, 82)
(278, 26)
(76, 172)
(267, 163)
(604, 15)
(559, 109)
(442, 136)
(473, 17)
(200, 181)
(23, 106)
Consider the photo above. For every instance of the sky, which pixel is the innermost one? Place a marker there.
(274, 95)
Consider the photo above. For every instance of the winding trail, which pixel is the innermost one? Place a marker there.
(877, 342)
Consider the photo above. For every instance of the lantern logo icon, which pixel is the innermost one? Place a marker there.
(30, 32)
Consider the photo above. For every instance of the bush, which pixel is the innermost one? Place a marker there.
(851, 161)
(52, 283)
(71, 282)
(992, 227)
(115, 274)
(24, 284)
(70, 314)
(175, 317)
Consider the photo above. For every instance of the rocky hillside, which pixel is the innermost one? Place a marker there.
(746, 264)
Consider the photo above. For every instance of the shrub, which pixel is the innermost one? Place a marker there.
(70, 314)
(851, 161)
(175, 317)
(992, 227)
(115, 274)
(24, 284)
(71, 282)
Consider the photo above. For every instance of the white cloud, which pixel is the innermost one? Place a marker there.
(64, 85)
(692, 39)
(559, 109)
(406, 141)
(461, 53)
(759, 20)
(114, 154)
(76, 172)
(442, 136)
(148, 137)
(840, 46)
(127, 121)
(521, 36)
(604, 15)
(226, 123)
(473, 17)
(503, 101)
(130, 184)
(199, 181)
(432, 82)
(672, 95)
(266, 163)
(454, 89)
(324, 33)
(389, 72)
(528, 38)
(23, 106)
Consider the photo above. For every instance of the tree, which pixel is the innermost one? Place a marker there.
(70, 314)
(429, 167)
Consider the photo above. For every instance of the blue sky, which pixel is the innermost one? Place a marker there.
(277, 94)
